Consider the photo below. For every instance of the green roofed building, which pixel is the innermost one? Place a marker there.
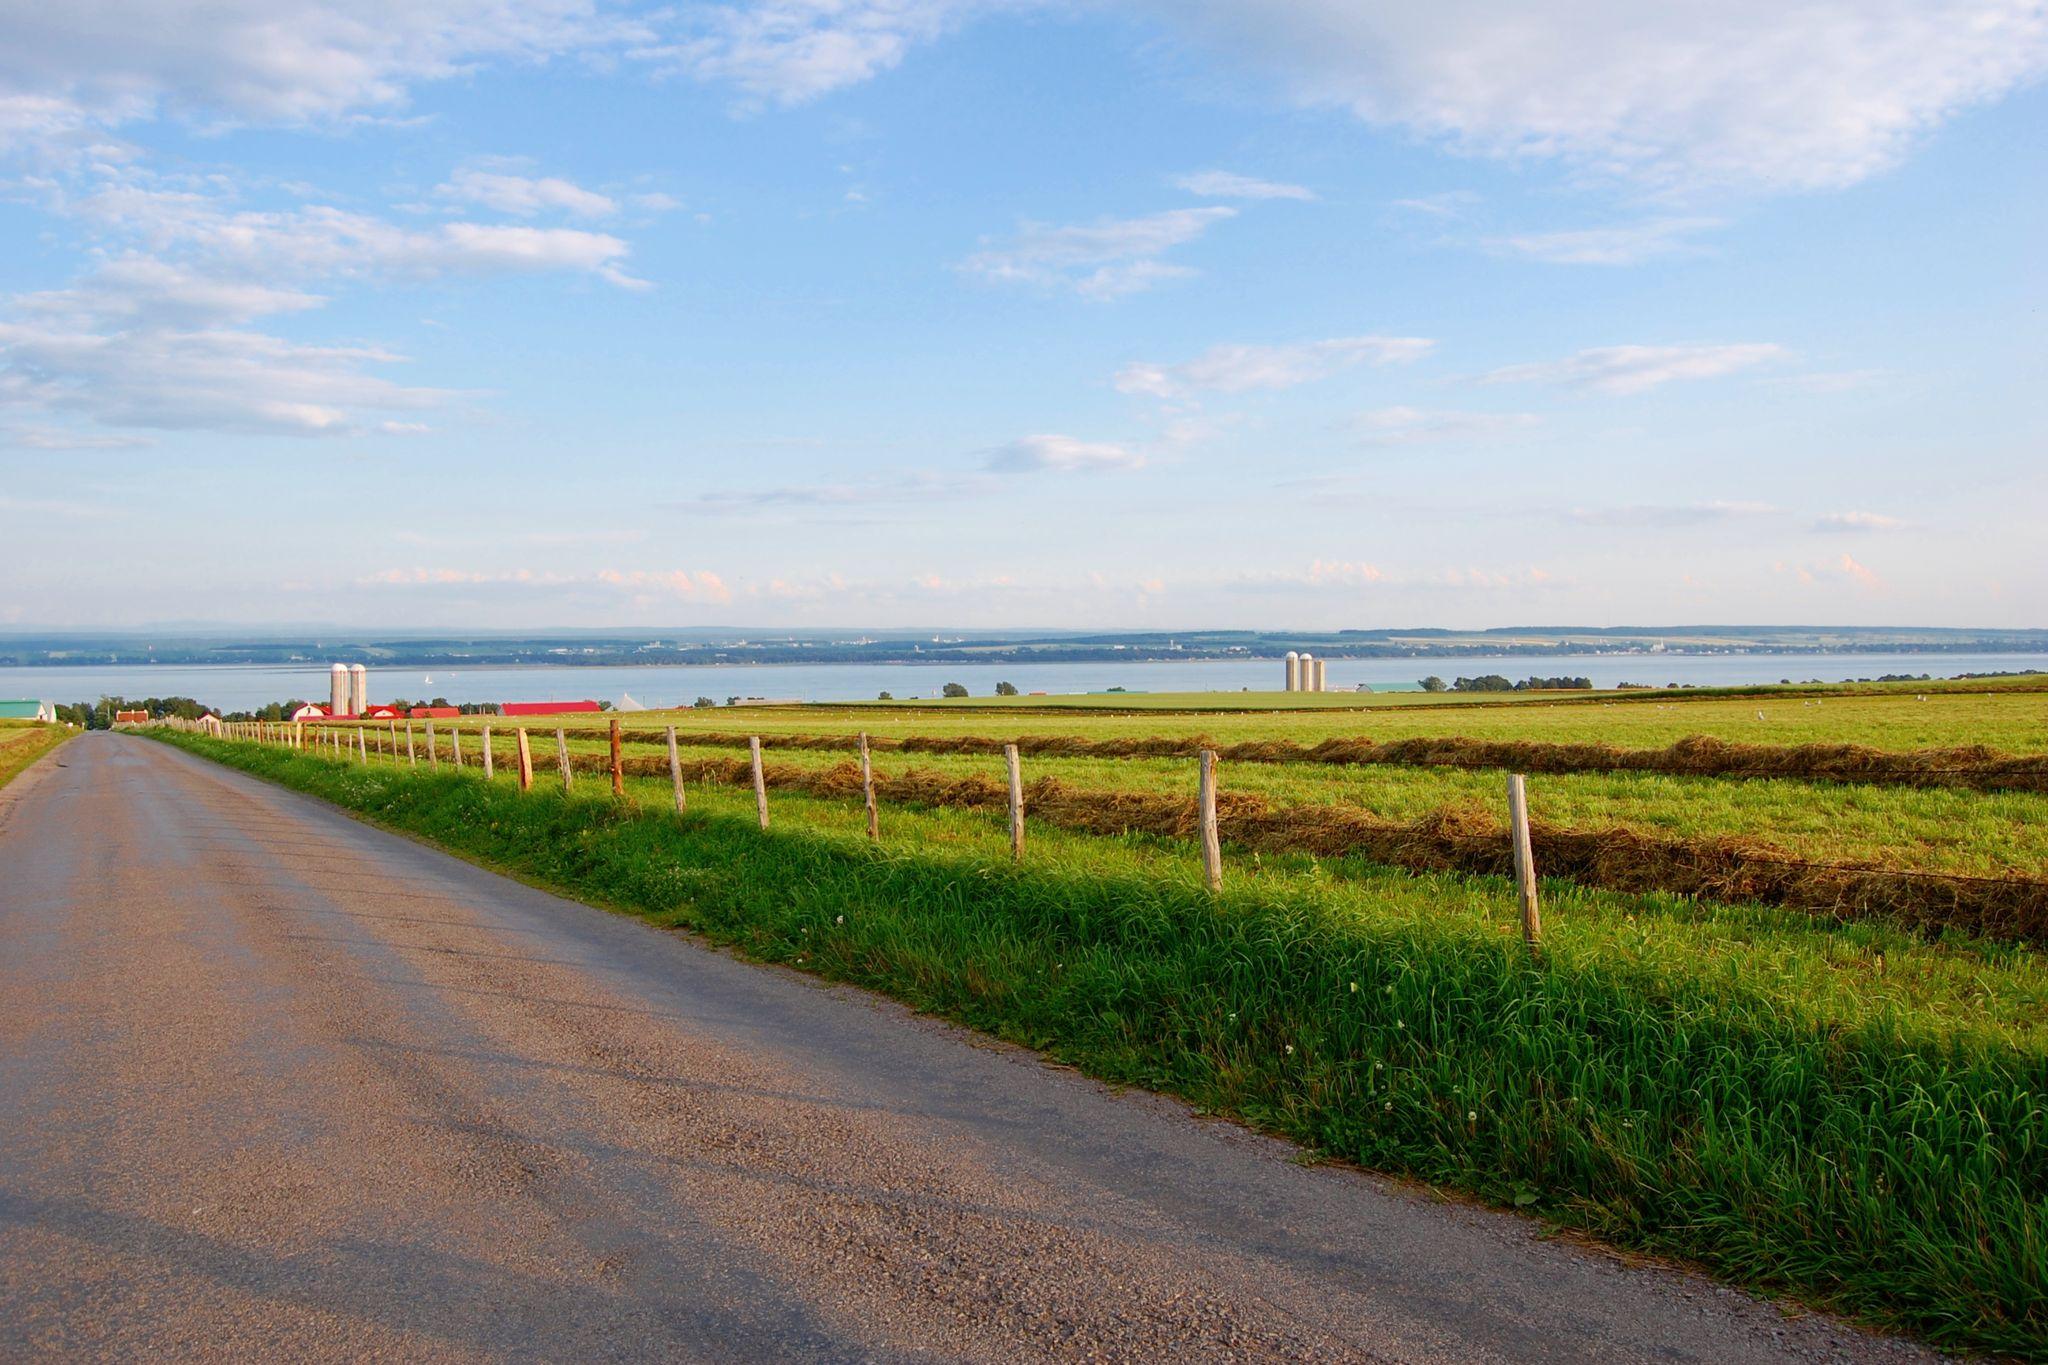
(28, 710)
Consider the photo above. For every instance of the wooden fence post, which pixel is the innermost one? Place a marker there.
(562, 754)
(489, 772)
(525, 761)
(867, 787)
(362, 746)
(433, 746)
(1212, 840)
(1016, 801)
(1525, 864)
(455, 746)
(411, 754)
(675, 769)
(760, 782)
(618, 767)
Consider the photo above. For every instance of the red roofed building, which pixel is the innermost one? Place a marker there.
(546, 708)
(310, 711)
(435, 712)
(381, 713)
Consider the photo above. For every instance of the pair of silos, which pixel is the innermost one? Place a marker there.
(1307, 673)
(348, 690)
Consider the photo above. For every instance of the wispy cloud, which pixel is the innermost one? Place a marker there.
(1242, 368)
(1415, 426)
(1447, 204)
(1227, 185)
(1101, 260)
(789, 52)
(1794, 95)
(62, 438)
(1667, 516)
(1638, 369)
(1846, 569)
(525, 196)
(1622, 244)
(1859, 522)
(1062, 454)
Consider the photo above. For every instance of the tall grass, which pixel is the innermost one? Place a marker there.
(1727, 1084)
(23, 744)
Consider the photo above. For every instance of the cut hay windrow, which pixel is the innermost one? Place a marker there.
(1972, 767)
(1463, 840)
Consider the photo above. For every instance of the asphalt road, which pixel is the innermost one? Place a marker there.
(275, 1084)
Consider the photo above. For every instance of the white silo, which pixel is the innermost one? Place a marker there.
(1293, 671)
(1322, 675)
(358, 689)
(1308, 672)
(337, 690)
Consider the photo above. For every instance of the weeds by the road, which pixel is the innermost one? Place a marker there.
(1848, 1113)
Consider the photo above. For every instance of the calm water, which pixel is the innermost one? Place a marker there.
(238, 689)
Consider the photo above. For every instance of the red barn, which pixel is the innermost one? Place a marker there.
(435, 712)
(381, 713)
(546, 708)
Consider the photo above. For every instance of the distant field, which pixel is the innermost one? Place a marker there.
(1849, 1111)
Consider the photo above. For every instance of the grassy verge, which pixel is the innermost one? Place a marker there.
(1847, 1114)
(23, 745)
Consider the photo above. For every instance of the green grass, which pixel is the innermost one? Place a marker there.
(2016, 722)
(1929, 829)
(23, 743)
(1845, 1113)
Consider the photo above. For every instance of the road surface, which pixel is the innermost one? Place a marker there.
(275, 1084)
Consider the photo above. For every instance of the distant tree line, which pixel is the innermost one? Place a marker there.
(1494, 682)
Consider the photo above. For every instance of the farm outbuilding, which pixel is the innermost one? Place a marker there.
(134, 718)
(28, 710)
(312, 710)
(435, 712)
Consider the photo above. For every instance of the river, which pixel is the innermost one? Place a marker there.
(242, 688)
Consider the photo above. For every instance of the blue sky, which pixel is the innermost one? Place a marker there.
(1294, 313)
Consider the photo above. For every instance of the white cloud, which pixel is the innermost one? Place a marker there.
(1414, 426)
(218, 379)
(1778, 94)
(105, 62)
(1637, 369)
(644, 585)
(285, 247)
(1061, 454)
(525, 196)
(1104, 259)
(58, 438)
(1227, 185)
(1449, 204)
(790, 51)
(157, 334)
(1625, 244)
(1241, 368)
(1670, 516)
(1859, 521)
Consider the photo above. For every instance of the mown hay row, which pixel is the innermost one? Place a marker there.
(1971, 767)
(1454, 840)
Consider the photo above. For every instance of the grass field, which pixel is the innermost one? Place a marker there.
(1848, 1112)
(23, 742)
(2011, 721)
(1982, 833)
